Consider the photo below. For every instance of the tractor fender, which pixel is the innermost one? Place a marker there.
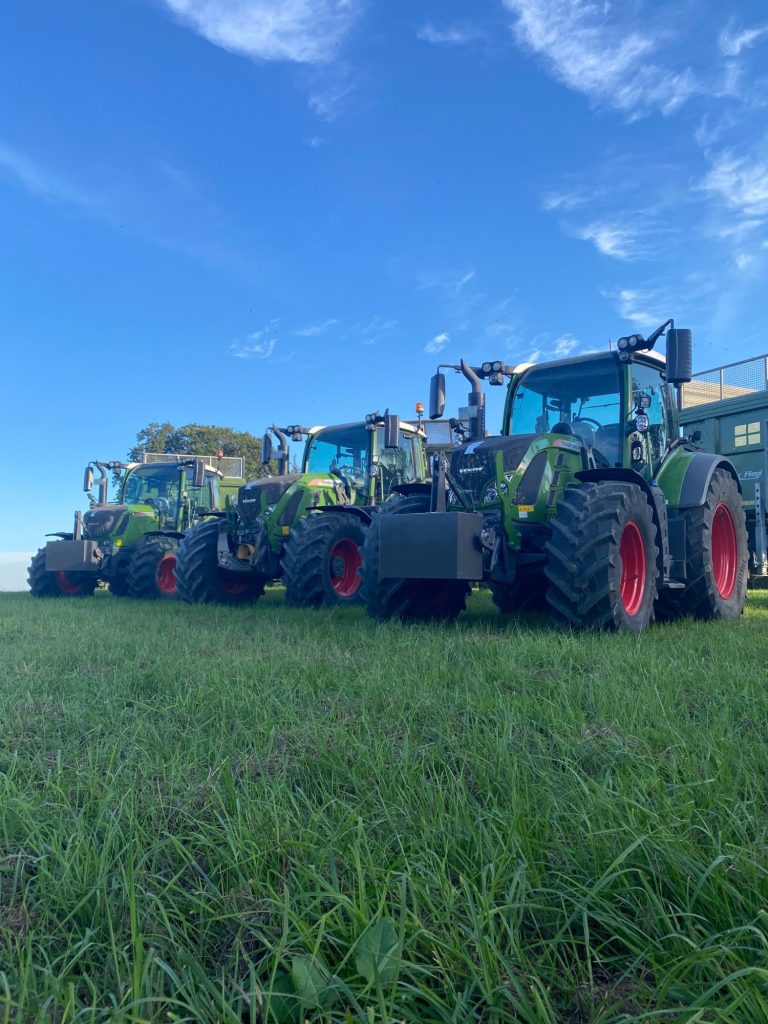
(697, 477)
(655, 498)
(363, 514)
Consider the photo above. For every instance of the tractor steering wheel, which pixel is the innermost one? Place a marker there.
(587, 419)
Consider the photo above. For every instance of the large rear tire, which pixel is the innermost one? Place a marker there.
(409, 600)
(322, 560)
(602, 567)
(716, 555)
(58, 584)
(199, 578)
(151, 571)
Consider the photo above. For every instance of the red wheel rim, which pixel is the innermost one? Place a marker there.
(725, 551)
(230, 586)
(345, 561)
(67, 585)
(632, 553)
(165, 576)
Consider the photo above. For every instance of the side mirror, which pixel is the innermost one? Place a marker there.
(679, 355)
(266, 449)
(88, 479)
(391, 431)
(199, 473)
(437, 396)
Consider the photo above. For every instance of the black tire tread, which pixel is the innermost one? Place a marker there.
(306, 554)
(197, 571)
(141, 578)
(583, 556)
(43, 583)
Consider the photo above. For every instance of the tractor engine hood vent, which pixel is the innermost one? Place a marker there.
(256, 497)
(473, 465)
(102, 520)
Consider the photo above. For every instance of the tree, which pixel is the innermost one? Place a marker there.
(197, 439)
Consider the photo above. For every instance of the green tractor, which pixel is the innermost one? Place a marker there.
(590, 501)
(305, 528)
(131, 544)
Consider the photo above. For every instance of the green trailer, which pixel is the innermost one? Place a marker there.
(725, 410)
(131, 544)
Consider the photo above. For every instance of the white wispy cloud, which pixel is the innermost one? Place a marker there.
(741, 182)
(733, 41)
(596, 50)
(564, 345)
(258, 345)
(302, 31)
(315, 329)
(330, 91)
(610, 239)
(743, 260)
(631, 305)
(438, 343)
(448, 35)
(47, 184)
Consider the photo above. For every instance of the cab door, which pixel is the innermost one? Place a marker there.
(650, 398)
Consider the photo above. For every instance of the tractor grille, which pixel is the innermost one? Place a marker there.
(257, 496)
(98, 522)
(473, 466)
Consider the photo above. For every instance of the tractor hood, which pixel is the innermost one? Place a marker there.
(473, 465)
(255, 497)
(102, 520)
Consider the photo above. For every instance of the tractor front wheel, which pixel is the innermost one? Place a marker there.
(717, 556)
(58, 584)
(199, 578)
(151, 571)
(424, 600)
(602, 567)
(322, 560)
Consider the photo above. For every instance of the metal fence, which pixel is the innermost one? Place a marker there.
(734, 380)
(229, 465)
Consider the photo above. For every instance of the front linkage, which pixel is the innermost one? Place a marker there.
(589, 502)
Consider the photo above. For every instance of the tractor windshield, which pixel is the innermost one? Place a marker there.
(155, 485)
(341, 451)
(580, 397)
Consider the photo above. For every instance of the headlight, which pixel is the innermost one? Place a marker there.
(622, 344)
(487, 367)
(498, 366)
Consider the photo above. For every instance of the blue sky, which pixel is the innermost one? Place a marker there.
(236, 211)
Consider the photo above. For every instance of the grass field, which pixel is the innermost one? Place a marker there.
(242, 815)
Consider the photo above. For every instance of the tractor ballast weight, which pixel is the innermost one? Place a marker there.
(305, 527)
(589, 500)
(131, 544)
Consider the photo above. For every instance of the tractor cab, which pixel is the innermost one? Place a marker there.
(624, 414)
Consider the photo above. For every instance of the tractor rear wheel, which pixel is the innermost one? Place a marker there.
(716, 556)
(151, 571)
(199, 578)
(58, 584)
(602, 567)
(322, 560)
(425, 600)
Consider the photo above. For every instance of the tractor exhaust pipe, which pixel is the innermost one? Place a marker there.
(475, 412)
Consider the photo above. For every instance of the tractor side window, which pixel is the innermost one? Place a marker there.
(200, 497)
(648, 397)
(397, 465)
